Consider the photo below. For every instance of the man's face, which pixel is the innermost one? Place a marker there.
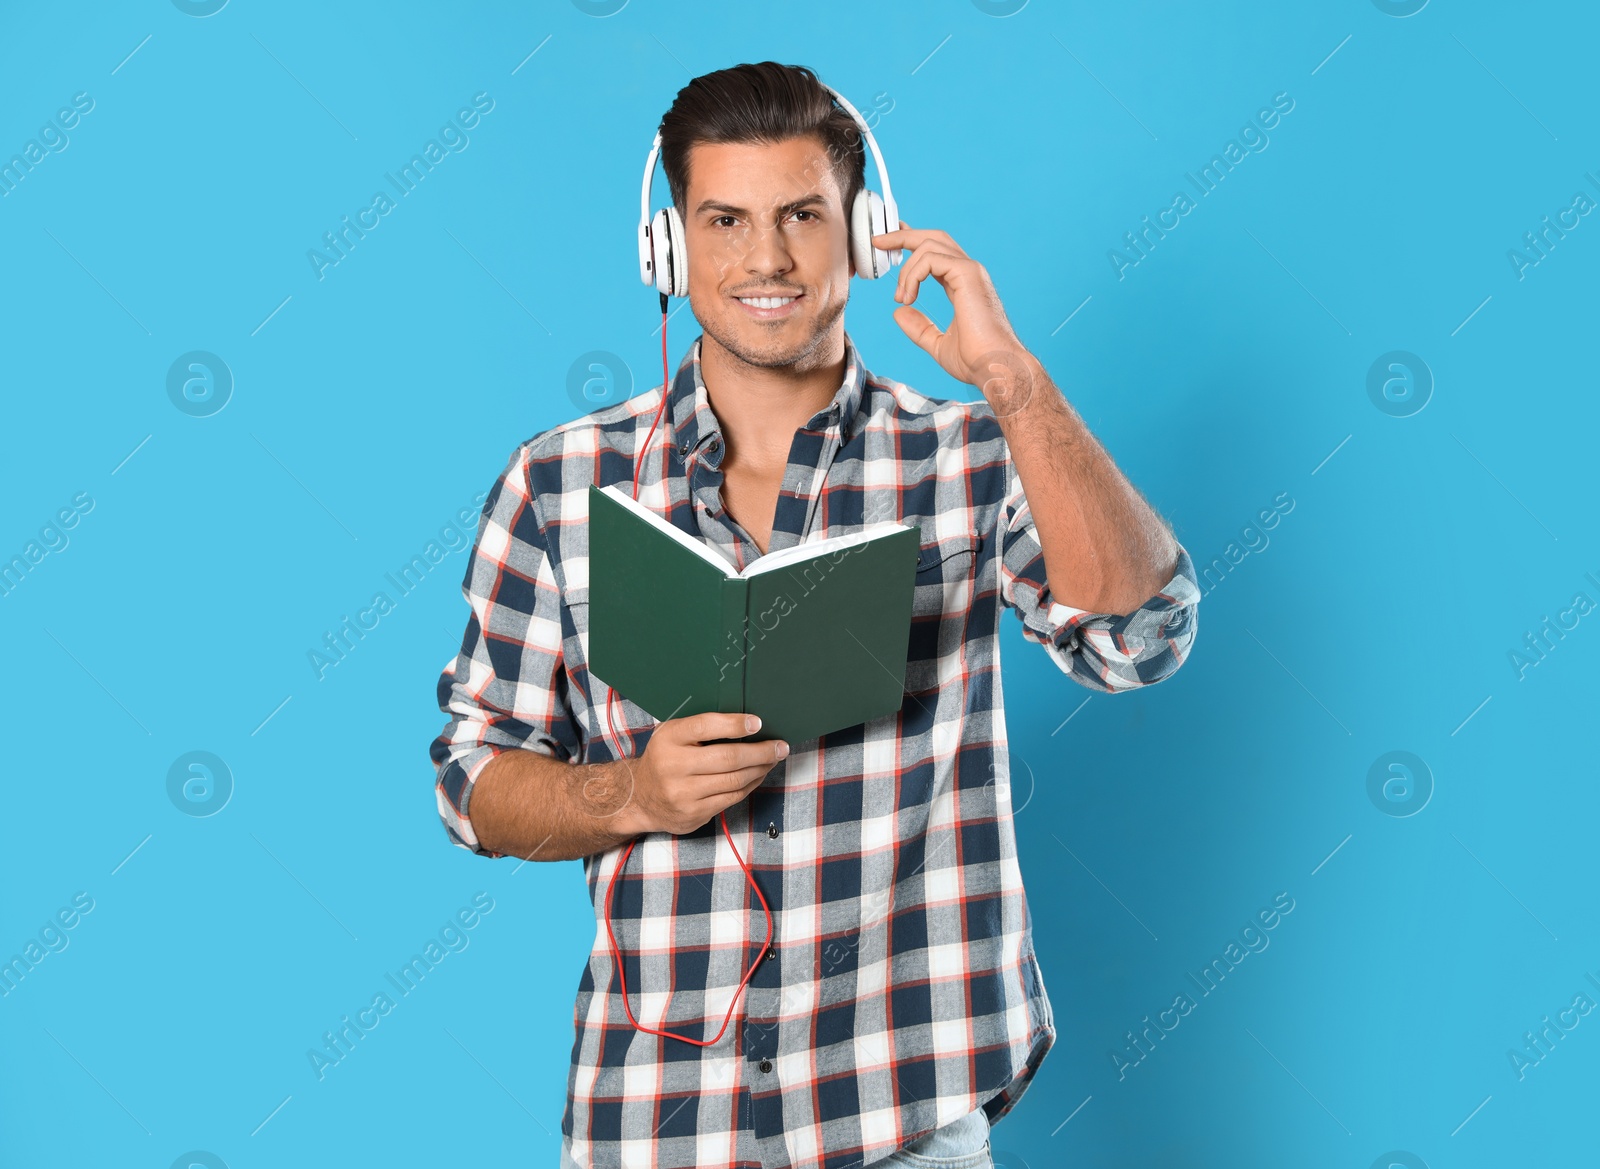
(766, 221)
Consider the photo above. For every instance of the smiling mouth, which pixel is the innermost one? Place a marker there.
(769, 307)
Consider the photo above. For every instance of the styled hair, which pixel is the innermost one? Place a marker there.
(761, 103)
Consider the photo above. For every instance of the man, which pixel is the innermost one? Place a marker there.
(899, 1009)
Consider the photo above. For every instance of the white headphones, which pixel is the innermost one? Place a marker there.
(661, 238)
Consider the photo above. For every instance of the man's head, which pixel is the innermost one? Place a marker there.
(763, 168)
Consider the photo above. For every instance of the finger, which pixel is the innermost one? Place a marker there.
(735, 785)
(700, 728)
(904, 292)
(910, 237)
(924, 334)
(934, 235)
(952, 272)
(710, 794)
(743, 759)
(905, 237)
(916, 269)
(721, 758)
(914, 272)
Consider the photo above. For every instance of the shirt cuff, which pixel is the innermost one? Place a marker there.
(457, 779)
(1110, 651)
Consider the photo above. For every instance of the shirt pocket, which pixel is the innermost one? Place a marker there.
(944, 580)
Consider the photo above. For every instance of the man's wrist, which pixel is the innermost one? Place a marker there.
(1008, 378)
(608, 797)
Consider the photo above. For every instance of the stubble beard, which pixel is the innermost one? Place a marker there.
(801, 354)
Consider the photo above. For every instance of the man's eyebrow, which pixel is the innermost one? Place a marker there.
(784, 209)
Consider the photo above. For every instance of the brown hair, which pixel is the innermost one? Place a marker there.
(765, 103)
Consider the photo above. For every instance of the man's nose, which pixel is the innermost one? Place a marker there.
(766, 250)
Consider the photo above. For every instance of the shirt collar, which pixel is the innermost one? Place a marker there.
(694, 423)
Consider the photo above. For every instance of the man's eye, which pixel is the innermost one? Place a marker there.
(717, 222)
(813, 214)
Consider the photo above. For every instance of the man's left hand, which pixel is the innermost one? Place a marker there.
(979, 348)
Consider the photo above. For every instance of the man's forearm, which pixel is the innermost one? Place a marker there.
(526, 803)
(1105, 550)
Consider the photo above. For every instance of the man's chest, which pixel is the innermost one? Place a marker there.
(750, 497)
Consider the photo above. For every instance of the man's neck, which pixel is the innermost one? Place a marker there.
(760, 407)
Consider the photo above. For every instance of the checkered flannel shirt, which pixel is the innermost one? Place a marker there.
(902, 991)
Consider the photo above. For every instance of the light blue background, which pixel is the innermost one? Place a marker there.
(1220, 371)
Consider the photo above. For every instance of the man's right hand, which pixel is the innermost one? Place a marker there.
(681, 780)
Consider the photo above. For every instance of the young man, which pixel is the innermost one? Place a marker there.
(898, 1009)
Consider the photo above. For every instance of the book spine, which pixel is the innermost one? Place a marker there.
(731, 684)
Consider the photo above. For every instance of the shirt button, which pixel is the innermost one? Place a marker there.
(772, 831)
(768, 952)
(765, 1065)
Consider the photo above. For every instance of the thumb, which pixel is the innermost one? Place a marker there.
(916, 325)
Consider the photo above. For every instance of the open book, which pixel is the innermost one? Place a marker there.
(811, 638)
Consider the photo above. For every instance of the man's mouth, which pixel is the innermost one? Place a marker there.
(769, 307)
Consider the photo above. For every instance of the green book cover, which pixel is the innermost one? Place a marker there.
(811, 638)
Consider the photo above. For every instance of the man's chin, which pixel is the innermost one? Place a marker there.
(766, 347)
(771, 346)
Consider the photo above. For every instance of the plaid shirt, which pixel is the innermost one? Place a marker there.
(903, 991)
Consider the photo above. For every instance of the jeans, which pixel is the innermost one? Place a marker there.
(961, 1144)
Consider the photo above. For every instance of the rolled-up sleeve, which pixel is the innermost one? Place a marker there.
(507, 687)
(1103, 651)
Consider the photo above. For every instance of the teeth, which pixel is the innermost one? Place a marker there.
(766, 301)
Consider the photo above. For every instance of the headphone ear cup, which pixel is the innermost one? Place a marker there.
(867, 219)
(680, 253)
(660, 252)
(667, 253)
(861, 231)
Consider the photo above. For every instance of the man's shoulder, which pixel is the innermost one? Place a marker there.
(896, 405)
(578, 442)
(610, 427)
(552, 467)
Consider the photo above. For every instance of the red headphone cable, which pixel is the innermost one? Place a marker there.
(616, 956)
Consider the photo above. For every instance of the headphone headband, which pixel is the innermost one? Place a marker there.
(877, 156)
(891, 211)
(649, 173)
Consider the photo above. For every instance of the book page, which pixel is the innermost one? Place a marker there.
(772, 560)
(802, 552)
